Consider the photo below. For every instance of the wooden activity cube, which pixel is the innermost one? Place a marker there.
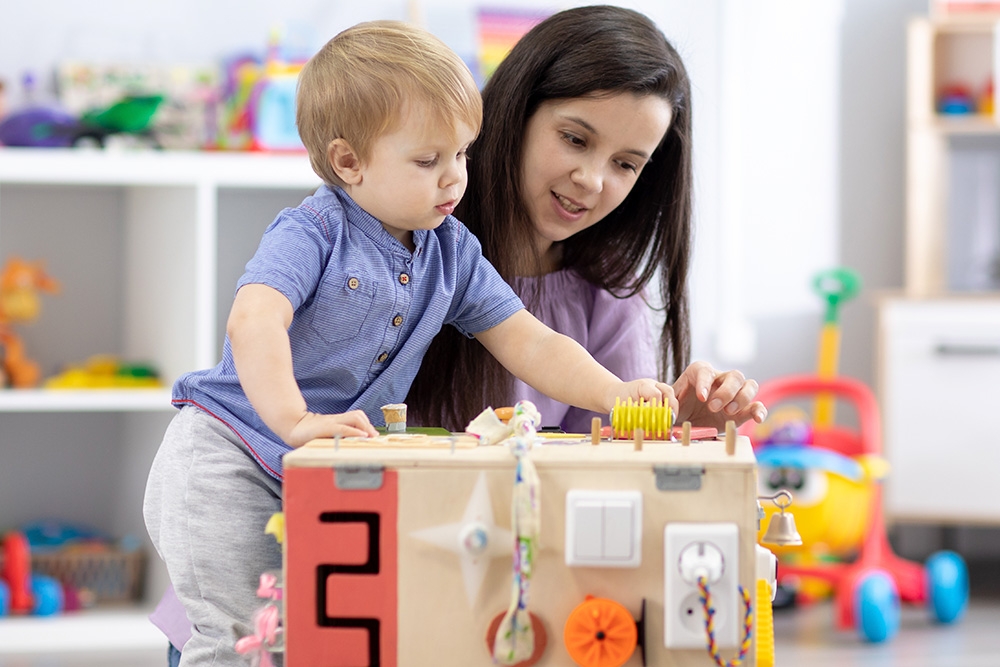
(382, 567)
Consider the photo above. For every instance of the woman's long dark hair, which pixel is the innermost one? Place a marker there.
(587, 51)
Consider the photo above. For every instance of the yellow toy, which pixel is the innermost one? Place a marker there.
(654, 418)
(105, 372)
(21, 282)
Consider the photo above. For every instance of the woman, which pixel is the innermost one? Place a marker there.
(580, 193)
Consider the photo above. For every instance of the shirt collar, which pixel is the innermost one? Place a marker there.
(372, 226)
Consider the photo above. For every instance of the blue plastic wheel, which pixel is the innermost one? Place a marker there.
(48, 594)
(4, 598)
(876, 606)
(947, 586)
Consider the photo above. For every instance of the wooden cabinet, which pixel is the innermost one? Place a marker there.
(949, 202)
(147, 247)
(939, 338)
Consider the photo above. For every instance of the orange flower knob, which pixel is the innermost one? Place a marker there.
(600, 633)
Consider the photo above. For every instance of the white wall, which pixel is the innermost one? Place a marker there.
(763, 160)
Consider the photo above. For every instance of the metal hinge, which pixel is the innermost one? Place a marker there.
(678, 478)
(358, 476)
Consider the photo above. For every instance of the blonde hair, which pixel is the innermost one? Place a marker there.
(355, 88)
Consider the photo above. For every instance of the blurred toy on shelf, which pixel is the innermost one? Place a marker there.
(165, 105)
(21, 283)
(106, 372)
(22, 592)
(986, 103)
(956, 99)
(91, 567)
(256, 105)
(960, 99)
(33, 123)
(127, 117)
(497, 31)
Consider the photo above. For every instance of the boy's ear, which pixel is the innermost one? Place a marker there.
(345, 161)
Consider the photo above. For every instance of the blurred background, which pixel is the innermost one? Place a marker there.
(802, 123)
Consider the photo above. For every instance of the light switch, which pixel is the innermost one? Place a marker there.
(589, 534)
(618, 517)
(603, 528)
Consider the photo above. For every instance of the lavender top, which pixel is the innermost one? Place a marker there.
(617, 332)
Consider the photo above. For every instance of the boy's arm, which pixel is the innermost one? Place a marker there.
(561, 368)
(258, 333)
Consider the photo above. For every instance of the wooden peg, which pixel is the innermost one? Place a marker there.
(686, 434)
(595, 431)
(730, 437)
(638, 439)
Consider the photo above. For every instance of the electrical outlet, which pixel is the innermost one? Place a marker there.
(693, 549)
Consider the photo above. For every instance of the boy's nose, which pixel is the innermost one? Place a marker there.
(453, 174)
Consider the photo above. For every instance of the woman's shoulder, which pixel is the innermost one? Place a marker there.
(568, 283)
(556, 285)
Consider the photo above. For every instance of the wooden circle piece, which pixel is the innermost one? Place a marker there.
(541, 639)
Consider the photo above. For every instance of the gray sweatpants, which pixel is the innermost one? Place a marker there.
(207, 503)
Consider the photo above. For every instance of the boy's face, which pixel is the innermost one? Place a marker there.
(415, 174)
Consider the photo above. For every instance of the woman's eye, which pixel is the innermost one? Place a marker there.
(628, 166)
(572, 139)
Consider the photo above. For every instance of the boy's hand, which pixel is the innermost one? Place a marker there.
(313, 425)
(710, 398)
(644, 389)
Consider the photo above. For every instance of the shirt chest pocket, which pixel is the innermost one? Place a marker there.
(342, 304)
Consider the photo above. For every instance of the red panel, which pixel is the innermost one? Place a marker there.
(341, 569)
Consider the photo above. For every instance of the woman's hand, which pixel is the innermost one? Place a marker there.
(312, 426)
(709, 398)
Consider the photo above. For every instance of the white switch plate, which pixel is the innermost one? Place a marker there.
(603, 528)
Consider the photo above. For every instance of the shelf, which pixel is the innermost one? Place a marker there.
(73, 166)
(117, 629)
(85, 400)
(966, 124)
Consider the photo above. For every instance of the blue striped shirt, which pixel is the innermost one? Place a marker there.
(366, 310)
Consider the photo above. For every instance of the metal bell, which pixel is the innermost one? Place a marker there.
(781, 531)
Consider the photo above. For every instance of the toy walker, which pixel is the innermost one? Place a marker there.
(836, 474)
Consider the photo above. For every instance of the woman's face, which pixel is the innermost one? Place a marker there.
(583, 155)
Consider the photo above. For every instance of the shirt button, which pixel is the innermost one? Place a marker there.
(382, 357)
(353, 283)
(404, 278)
(396, 321)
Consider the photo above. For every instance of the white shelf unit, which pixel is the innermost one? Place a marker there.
(147, 247)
